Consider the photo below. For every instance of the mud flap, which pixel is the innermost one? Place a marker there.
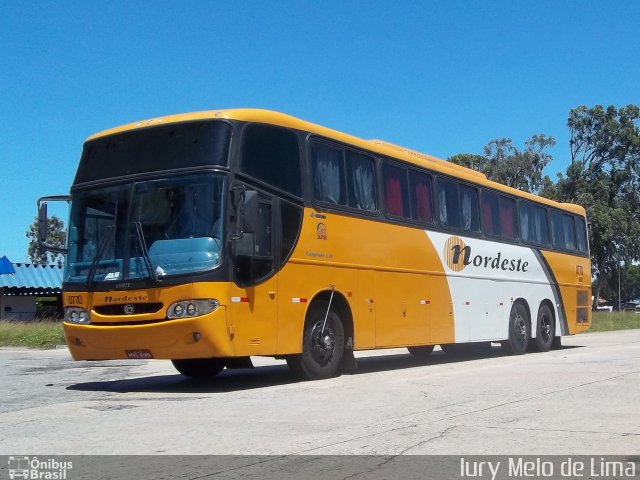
(348, 361)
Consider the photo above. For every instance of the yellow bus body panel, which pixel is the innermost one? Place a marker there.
(110, 336)
(396, 290)
(573, 274)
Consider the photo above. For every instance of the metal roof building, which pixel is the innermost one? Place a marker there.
(30, 292)
(31, 279)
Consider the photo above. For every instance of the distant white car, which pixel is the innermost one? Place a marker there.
(604, 308)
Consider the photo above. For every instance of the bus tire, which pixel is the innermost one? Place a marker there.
(557, 343)
(199, 368)
(519, 330)
(545, 329)
(321, 351)
(421, 352)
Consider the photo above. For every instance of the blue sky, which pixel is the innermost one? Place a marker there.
(440, 77)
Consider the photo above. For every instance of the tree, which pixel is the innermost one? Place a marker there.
(470, 160)
(604, 177)
(55, 237)
(629, 285)
(506, 164)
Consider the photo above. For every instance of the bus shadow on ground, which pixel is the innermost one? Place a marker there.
(381, 363)
(274, 375)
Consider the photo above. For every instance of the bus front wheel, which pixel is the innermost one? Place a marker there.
(199, 368)
(322, 345)
(519, 330)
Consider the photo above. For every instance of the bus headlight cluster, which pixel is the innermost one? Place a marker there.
(192, 308)
(77, 315)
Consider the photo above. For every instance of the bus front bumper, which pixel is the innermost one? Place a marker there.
(198, 337)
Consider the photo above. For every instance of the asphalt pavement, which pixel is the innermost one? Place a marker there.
(583, 399)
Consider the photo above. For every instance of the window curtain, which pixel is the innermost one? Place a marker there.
(487, 217)
(524, 216)
(507, 223)
(423, 201)
(442, 205)
(363, 186)
(327, 178)
(393, 198)
(466, 208)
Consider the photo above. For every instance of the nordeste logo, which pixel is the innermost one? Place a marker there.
(458, 255)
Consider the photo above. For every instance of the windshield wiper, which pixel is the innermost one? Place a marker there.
(101, 248)
(145, 252)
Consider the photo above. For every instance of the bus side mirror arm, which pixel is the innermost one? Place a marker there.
(245, 203)
(42, 222)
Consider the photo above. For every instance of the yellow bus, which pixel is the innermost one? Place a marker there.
(208, 238)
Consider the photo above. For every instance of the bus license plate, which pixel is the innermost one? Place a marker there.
(139, 354)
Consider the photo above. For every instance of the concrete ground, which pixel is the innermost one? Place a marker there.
(581, 399)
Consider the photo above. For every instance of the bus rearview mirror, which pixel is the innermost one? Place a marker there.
(250, 212)
(42, 223)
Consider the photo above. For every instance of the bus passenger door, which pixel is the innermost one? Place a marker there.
(253, 311)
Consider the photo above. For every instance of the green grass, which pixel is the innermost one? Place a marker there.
(34, 334)
(48, 334)
(606, 321)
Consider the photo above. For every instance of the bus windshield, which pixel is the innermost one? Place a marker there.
(146, 229)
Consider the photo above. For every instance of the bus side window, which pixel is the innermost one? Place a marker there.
(563, 230)
(362, 190)
(254, 259)
(533, 220)
(291, 220)
(490, 213)
(470, 217)
(421, 196)
(581, 231)
(272, 155)
(448, 207)
(508, 218)
(569, 231)
(328, 174)
(263, 232)
(395, 191)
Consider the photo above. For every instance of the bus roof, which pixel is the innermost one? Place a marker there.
(379, 146)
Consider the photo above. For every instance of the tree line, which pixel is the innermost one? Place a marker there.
(603, 176)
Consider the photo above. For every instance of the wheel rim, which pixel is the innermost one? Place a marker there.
(323, 343)
(545, 328)
(520, 330)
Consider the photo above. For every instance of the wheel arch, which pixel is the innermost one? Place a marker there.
(525, 304)
(341, 307)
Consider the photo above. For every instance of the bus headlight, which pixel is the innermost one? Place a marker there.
(77, 315)
(192, 308)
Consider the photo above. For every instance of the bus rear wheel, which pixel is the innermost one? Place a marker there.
(322, 345)
(199, 368)
(421, 352)
(545, 329)
(519, 330)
